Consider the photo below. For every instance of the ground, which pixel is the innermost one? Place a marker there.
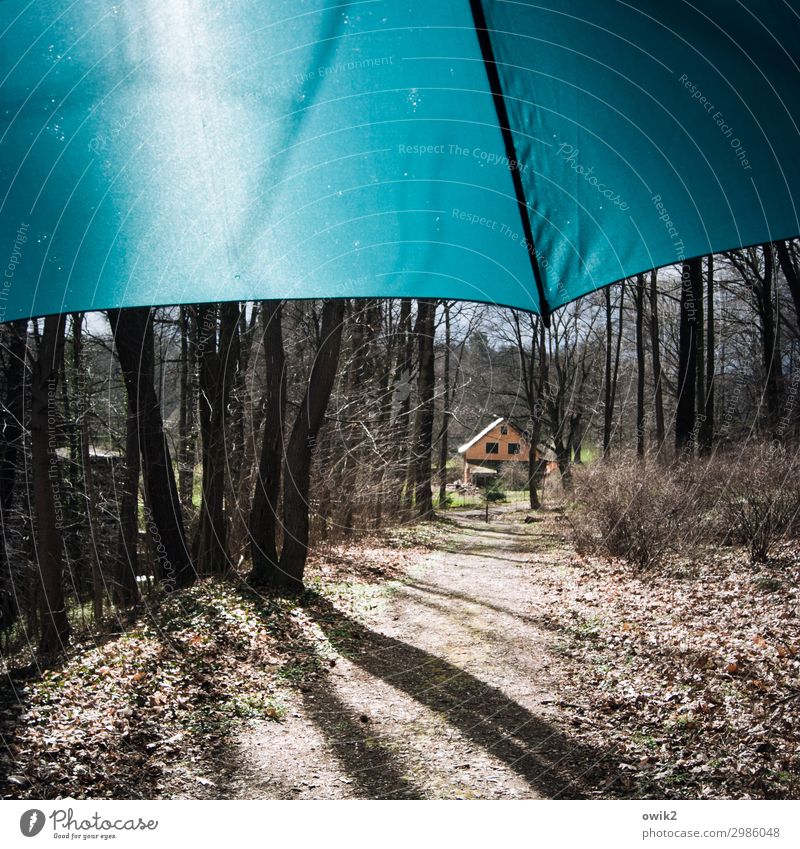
(456, 660)
(444, 690)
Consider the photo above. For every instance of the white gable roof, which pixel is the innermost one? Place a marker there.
(467, 445)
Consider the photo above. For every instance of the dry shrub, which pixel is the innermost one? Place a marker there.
(641, 511)
(758, 498)
(513, 476)
(627, 509)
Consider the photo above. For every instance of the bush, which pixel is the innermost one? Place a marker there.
(627, 510)
(750, 497)
(495, 495)
(758, 499)
(513, 476)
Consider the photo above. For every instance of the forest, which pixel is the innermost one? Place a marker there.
(189, 488)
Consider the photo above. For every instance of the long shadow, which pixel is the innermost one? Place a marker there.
(374, 770)
(535, 540)
(489, 553)
(554, 764)
(479, 530)
(537, 621)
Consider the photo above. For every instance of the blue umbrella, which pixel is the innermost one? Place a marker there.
(502, 151)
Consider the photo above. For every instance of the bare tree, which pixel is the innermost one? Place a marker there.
(787, 258)
(691, 294)
(424, 330)
(44, 380)
(124, 589)
(757, 270)
(451, 372)
(133, 339)
(400, 453)
(655, 348)
(188, 404)
(568, 364)
(611, 374)
(706, 431)
(301, 444)
(528, 336)
(218, 354)
(264, 511)
(82, 423)
(13, 343)
(640, 365)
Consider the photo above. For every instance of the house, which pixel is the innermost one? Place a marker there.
(499, 442)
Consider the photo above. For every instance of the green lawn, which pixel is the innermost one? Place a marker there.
(457, 499)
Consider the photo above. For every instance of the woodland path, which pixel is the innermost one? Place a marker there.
(451, 659)
(448, 690)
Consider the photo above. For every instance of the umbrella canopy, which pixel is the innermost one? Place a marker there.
(516, 153)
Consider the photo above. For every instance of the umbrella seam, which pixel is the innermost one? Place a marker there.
(490, 64)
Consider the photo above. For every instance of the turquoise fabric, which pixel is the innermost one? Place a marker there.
(650, 131)
(190, 150)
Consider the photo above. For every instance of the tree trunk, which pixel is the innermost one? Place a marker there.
(188, 406)
(770, 348)
(576, 437)
(563, 461)
(401, 443)
(446, 412)
(44, 381)
(706, 438)
(208, 549)
(533, 471)
(240, 456)
(700, 388)
(81, 399)
(535, 377)
(125, 590)
(607, 408)
(351, 461)
(611, 374)
(302, 441)
(655, 344)
(264, 512)
(133, 338)
(790, 272)
(691, 293)
(640, 366)
(11, 440)
(423, 427)
(218, 363)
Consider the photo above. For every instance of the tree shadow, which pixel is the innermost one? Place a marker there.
(489, 553)
(546, 622)
(554, 764)
(374, 770)
(478, 529)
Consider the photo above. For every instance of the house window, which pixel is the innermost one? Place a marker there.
(503, 430)
(513, 447)
(492, 448)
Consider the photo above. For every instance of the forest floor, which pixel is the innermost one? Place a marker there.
(456, 659)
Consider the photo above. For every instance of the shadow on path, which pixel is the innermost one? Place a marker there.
(554, 764)
(541, 621)
(375, 772)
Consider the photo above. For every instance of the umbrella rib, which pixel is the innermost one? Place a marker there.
(489, 62)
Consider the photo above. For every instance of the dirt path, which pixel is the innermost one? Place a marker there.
(458, 660)
(445, 691)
